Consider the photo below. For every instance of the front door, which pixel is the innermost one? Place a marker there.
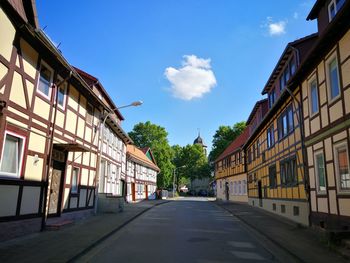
(146, 186)
(260, 193)
(133, 191)
(55, 189)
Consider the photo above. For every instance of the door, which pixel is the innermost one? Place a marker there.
(133, 191)
(260, 193)
(146, 186)
(55, 191)
(227, 191)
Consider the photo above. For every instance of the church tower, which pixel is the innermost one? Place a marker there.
(200, 142)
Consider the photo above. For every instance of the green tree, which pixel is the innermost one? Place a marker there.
(156, 137)
(191, 162)
(223, 137)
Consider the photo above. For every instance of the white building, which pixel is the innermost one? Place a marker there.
(141, 173)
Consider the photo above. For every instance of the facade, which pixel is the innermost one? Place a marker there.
(51, 115)
(230, 171)
(48, 148)
(325, 88)
(112, 145)
(275, 156)
(141, 173)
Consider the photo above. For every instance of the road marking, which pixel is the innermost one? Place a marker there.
(247, 255)
(241, 244)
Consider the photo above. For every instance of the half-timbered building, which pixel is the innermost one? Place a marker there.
(230, 171)
(141, 173)
(112, 148)
(325, 83)
(49, 127)
(275, 159)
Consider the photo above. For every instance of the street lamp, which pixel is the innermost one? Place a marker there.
(174, 177)
(133, 104)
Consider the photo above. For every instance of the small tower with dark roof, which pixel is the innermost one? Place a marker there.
(200, 142)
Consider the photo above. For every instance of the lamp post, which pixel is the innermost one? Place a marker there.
(174, 177)
(99, 161)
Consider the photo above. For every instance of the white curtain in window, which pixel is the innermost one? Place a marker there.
(9, 162)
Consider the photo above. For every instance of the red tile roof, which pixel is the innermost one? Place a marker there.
(138, 156)
(235, 145)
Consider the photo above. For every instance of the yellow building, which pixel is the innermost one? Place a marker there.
(325, 84)
(49, 127)
(274, 151)
(230, 171)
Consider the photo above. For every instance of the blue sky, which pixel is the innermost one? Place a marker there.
(194, 63)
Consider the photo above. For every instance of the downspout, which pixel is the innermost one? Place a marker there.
(48, 174)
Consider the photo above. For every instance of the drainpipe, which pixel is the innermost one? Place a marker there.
(48, 174)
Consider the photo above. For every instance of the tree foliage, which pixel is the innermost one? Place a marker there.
(191, 163)
(156, 137)
(223, 137)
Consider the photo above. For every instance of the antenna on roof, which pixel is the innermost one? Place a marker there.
(43, 29)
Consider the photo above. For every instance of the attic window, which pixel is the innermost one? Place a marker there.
(334, 7)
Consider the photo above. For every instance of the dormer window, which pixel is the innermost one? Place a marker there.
(334, 7)
(272, 98)
(287, 73)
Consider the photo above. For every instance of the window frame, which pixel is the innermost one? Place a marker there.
(65, 89)
(328, 75)
(343, 144)
(76, 190)
(311, 82)
(20, 157)
(336, 9)
(317, 178)
(88, 114)
(274, 185)
(42, 62)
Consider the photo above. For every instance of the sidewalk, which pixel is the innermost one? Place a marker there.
(301, 242)
(67, 243)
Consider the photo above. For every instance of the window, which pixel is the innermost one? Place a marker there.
(342, 166)
(61, 95)
(288, 172)
(270, 137)
(249, 156)
(334, 7)
(75, 176)
(320, 172)
(272, 98)
(313, 97)
(285, 123)
(334, 87)
(45, 80)
(244, 187)
(283, 209)
(90, 114)
(282, 83)
(257, 149)
(254, 152)
(12, 155)
(295, 210)
(272, 176)
(292, 66)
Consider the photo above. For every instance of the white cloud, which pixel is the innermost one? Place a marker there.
(193, 79)
(275, 28)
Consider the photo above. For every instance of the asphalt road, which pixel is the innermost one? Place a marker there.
(187, 230)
